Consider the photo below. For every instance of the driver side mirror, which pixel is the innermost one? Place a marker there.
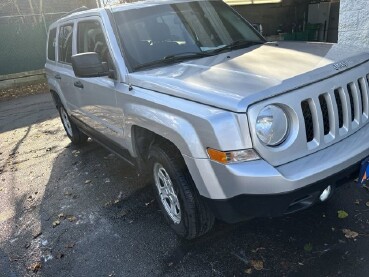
(86, 65)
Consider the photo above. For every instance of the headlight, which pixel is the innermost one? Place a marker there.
(272, 125)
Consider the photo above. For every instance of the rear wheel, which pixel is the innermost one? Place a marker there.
(176, 193)
(74, 134)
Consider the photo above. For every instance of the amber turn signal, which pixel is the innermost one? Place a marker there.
(225, 157)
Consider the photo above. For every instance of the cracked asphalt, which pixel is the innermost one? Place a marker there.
(68, 211)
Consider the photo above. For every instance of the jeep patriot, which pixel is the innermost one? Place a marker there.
(223, 123)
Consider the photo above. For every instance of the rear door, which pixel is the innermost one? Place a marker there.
(97, 105)
(65, 74)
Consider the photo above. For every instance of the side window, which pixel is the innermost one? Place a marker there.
(51, 45)
(65, 43)
(90, 38)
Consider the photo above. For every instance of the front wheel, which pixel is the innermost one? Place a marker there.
(176, 193)
(74, 134)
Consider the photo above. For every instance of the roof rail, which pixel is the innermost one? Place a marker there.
(80, 9)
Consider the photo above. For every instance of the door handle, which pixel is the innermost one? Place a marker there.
(57, 76)
(78, 84)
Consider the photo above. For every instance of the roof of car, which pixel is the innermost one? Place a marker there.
(119, 7)
(147, 3)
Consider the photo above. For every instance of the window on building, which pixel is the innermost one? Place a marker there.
(51, 45)
(65, 43)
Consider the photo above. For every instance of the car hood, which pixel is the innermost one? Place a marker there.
(238, 78)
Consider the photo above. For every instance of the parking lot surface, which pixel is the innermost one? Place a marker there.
(68, 211)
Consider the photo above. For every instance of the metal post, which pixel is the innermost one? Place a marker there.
(44, 20)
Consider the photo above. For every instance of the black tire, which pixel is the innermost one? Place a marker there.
(75, 135)
(195, 217)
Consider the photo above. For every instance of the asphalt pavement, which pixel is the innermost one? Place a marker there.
(68, 211)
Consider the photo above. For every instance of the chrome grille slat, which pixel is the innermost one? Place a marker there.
(332, 113)
(357, 104)
(351, 107)
(365, 97)
(319, 121)
(361, 95)
(337, 98)
(316, 122)
(346, 110)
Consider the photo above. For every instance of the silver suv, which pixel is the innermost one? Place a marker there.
(225, 124)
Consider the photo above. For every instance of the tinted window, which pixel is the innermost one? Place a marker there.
(65, 43)
(51, 45)
(91, 39)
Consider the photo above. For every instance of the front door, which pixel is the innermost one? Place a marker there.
(97, 105)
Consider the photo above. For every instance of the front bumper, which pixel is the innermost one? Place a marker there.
(253, 188)
(218, 181)
(249, 206)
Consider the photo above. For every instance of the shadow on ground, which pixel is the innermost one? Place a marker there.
(15, 113)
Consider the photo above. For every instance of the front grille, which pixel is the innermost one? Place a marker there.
(337, 112)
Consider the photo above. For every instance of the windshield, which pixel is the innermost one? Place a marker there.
(152, 34)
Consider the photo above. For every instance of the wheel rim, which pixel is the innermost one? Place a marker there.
(66, 122)
(167, 194)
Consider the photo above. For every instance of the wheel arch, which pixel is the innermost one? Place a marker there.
(56, 98)
(159, 125)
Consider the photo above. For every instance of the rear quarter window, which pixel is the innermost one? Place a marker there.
(51, 45)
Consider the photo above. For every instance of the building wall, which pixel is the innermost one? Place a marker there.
(289, 16)
(285, 15)
(354, 23)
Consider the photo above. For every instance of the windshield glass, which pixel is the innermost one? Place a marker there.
(181, 30)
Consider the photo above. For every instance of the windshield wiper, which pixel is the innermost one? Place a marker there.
(235, 45)
(174, 58)
(187, 55)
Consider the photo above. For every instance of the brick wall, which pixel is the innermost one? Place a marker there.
(354, 23)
